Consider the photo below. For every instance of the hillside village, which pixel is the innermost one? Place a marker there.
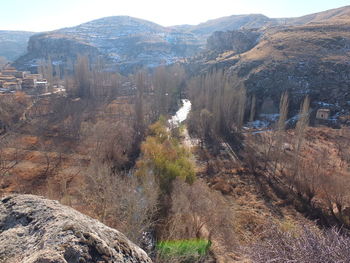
(12, 80)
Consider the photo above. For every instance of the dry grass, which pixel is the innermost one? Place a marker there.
(254, 204)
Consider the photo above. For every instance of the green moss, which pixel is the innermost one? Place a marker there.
(184, 250)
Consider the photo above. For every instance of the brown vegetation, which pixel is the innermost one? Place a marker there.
(100, 149)
(218, 107)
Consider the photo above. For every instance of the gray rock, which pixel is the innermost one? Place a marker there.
(238, 41)
(36, 230)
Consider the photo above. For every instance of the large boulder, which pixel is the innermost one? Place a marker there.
(37, 230)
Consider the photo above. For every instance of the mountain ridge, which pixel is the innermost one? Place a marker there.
(13, 43)
(130, 43)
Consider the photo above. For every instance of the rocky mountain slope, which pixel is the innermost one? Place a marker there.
(311, 59)
(123, 41)
(337, 15)
(260, 21)
(34, 229)
(128, 43)
(234, 22)
(13, 44)
(307, 60)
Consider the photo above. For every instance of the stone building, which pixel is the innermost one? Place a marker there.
(323, 114)
(12, 79)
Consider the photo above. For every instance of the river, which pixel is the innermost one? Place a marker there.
(181, 115)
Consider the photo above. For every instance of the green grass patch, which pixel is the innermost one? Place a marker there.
(184, 250)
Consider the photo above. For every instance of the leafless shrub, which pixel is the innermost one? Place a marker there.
(305, 246)
(250, 157)
(199, 212)
(112, 141)
(335, 192)
(343, 146)
(123, 201)
(309, 181)
(11, 109)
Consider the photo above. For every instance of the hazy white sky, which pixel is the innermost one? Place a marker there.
(42, 15)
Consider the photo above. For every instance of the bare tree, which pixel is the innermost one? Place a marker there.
(252, 109)
(278, 151)
(302, 124)
(139, 104)
(82, 77)
(124, 201)
(241, 107)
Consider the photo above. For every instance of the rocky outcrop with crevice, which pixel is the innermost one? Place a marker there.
(60, 49)
(238, 41)
(34, 229)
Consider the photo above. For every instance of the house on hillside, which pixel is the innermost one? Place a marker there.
(323, 114)
(29, 83)
(323, 117)
(13, 85)
(42, 84)
(7, 78)
(12, 79)
(13, 72)
(10, 82)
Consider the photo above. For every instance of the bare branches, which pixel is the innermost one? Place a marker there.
(304, 246)
(252, 108)
(302, 124)
(219, 97)
(122, 200)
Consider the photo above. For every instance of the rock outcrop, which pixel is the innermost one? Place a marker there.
(130, 43)
(238, 41)
(311, 60)
(124, 42)
(37, 230)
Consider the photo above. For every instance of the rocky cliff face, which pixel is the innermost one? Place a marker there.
(238, 41)
(124, 42)
(311, 59)
(130, 43)
(60, 49)
(37, 230)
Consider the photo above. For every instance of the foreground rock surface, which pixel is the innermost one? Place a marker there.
(34, 229)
